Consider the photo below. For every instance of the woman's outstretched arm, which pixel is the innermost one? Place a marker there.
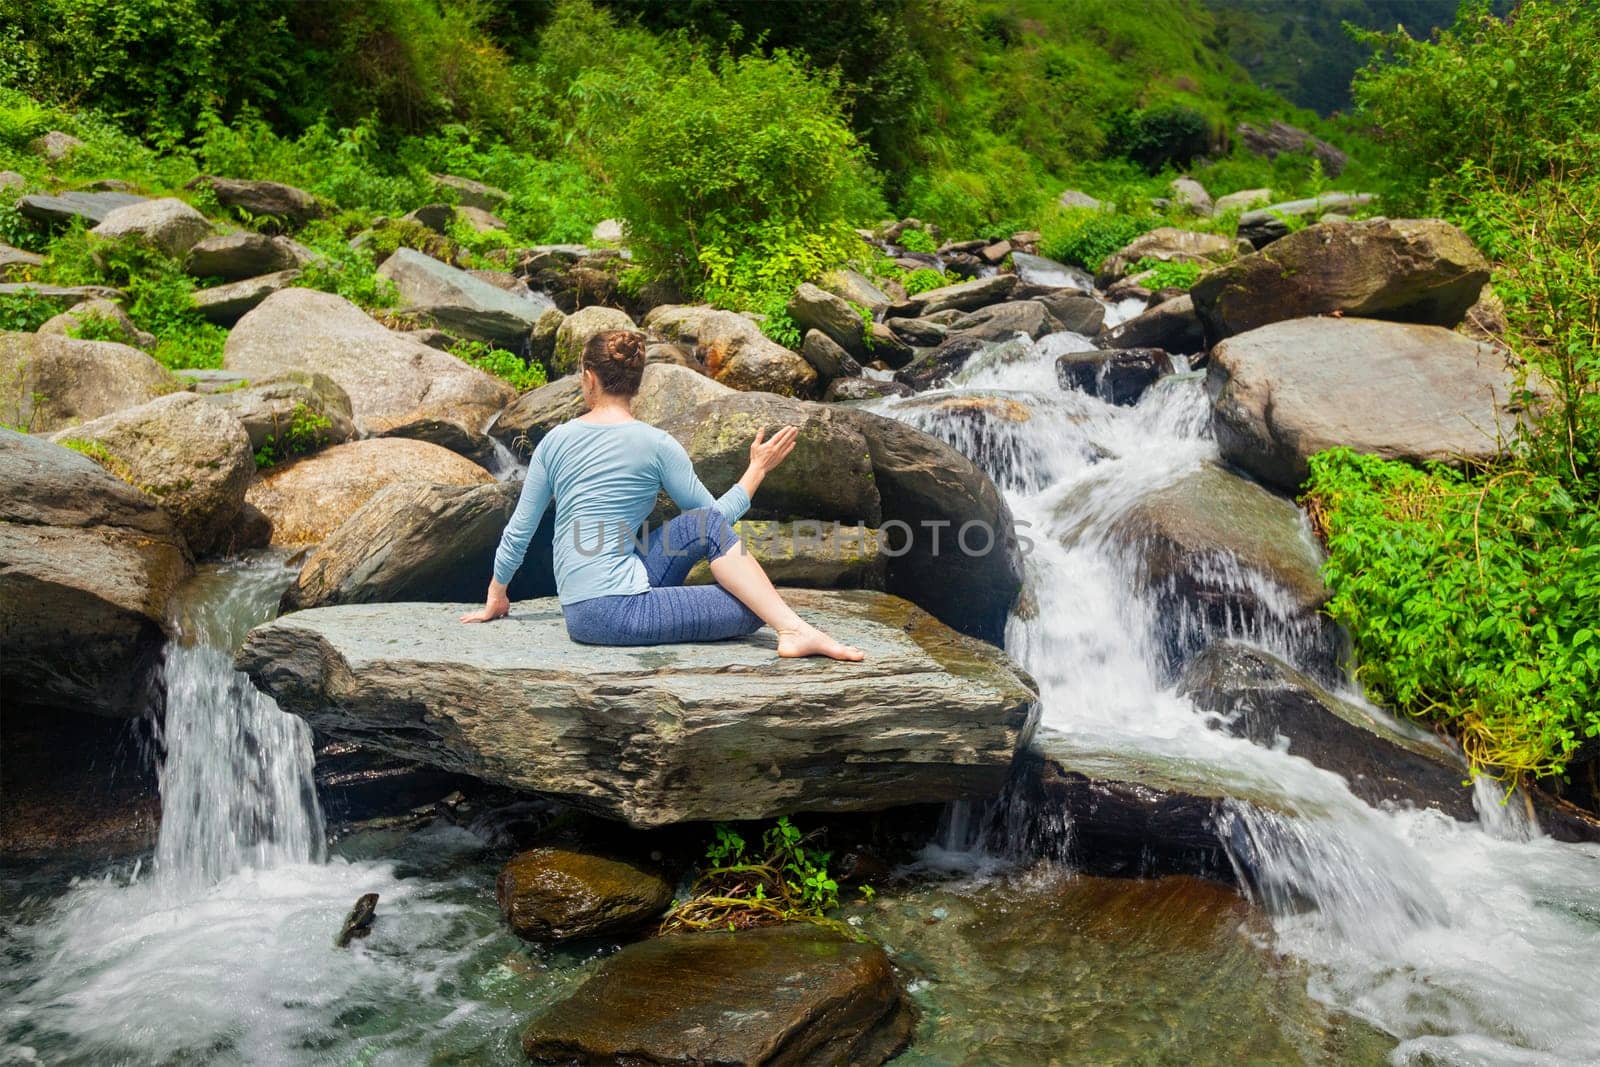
(688, 492)
(513, 548)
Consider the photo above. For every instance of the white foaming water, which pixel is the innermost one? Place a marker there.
(1470, 943)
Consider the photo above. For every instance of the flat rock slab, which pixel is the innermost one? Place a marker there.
(775, 995)
(665, 734)
(92, 208)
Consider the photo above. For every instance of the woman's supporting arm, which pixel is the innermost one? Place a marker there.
(513, 548)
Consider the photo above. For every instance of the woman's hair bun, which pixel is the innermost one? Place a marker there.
(617, 358)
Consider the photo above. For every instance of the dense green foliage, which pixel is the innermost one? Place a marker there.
(1085, 236)
(1167, 273)
(1472, 598)
(507, 366)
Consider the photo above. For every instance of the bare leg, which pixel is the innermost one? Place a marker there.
(740, 574)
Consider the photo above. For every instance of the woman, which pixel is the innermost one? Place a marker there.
(604, 469)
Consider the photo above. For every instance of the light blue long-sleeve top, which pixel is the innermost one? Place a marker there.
(604, 479)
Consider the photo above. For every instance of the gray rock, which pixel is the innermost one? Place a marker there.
(1277, 137)
(89, 208)
(1257, 696)
(966, 296)
(828, 358)
(436, 217)
(844, 390)
(263, 200)
(1117, 376)
(391, 380)
(1072, 198)
(16, 263)
(62, 296)
(1284, 392)
(736, 352)
(469, 193)
(800, 995)
(480, 220)
(607, 231)
(666, 734)
(526, 420)
(168, 225)
(1077, 312)
(1411, 270)
(49, 381)
(828, 476)
(188, 455)
(813, 309)
(809, 555)
(458, 302)
(87, 566)
(853, 286)
(1169, 245)
(106, 311)
(11, 181)
(542, 339)
(553, 895)
(887, 348)
(1191, 196)
(1036, 270)
(576, 329)
(1171, 325)
(920, 332)
(1243, 200)
(236, 256)
(55, 145)
(1265, 225)
(269, 410)
(227, 304)
(1001, 322)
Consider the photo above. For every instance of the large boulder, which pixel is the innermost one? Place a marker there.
(1078, 312)
(1255, 695)
(1169, 245)
(189, 455)
(417, 541)
(557, 894)
(1409, 270)
(293, 413)
(965, 296)
(1189, 195)
(809, 555)
(392, 380)
(1171, 325)
(1264, 225)
(855, 287)
(228, 303)
(1116, 375)
(1278, 137)
(830, 360)
(469, 193)
(309, 499)
(775, 995)
(737, 353)
(666, 734)
(949, 534)
(1284, 392)
(49, 381)
(815, 309)
(108, 315)
(459, 302)
(828, 476)
(17, 263)
(168, 225)
(665, 390)
(65, 208)
(268, 201)
(236, 256)
(87, 566)
(575, 331)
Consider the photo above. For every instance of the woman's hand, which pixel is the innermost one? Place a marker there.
(765, 455)
(496, 606)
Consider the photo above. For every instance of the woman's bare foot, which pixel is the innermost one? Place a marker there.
(810, 641)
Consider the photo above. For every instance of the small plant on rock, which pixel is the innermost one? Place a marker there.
(1168, 273)
(507, 366)
(300, 433)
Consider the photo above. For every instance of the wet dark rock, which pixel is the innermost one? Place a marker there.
(1078, 312)
(847, 389)
(932, 367)
(1171, 325)
(967, 296)
(87, 566)
(552, 895)
(1117, 376)
(666, 734)
(1001, 322)
(801, 995)
(918, 332)
(359, 922)
(357, 783)
(1257, 696)
(828, 358)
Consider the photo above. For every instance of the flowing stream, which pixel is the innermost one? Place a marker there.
(1433, 941)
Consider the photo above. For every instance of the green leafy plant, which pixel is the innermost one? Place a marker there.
(1155, 137)
(1167, 273)
(24, 312)
(1084, 237)
(787, 880)
(102, 455)
(303, 431)
(97, 328)
(918, 241)
(504, 365)
(922, 280)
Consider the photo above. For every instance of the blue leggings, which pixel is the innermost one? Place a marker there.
(670, 611)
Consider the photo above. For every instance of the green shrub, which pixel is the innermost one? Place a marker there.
(97, 328)
(1154, 138)
(1168, 274)
(504, 365)
(25, 313)
(1084, 236)
(304, 431)
(918, 241)
(923, 279)
(735, 159)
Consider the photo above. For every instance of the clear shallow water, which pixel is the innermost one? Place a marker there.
(1468, 943)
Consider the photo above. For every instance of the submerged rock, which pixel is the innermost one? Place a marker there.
(557, 894)
(1407, 270)
(359, 922)
(793, 994)
(87, 566)
(661, 734)
(1117, 376)
(1284, 392)
(1259, 697)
